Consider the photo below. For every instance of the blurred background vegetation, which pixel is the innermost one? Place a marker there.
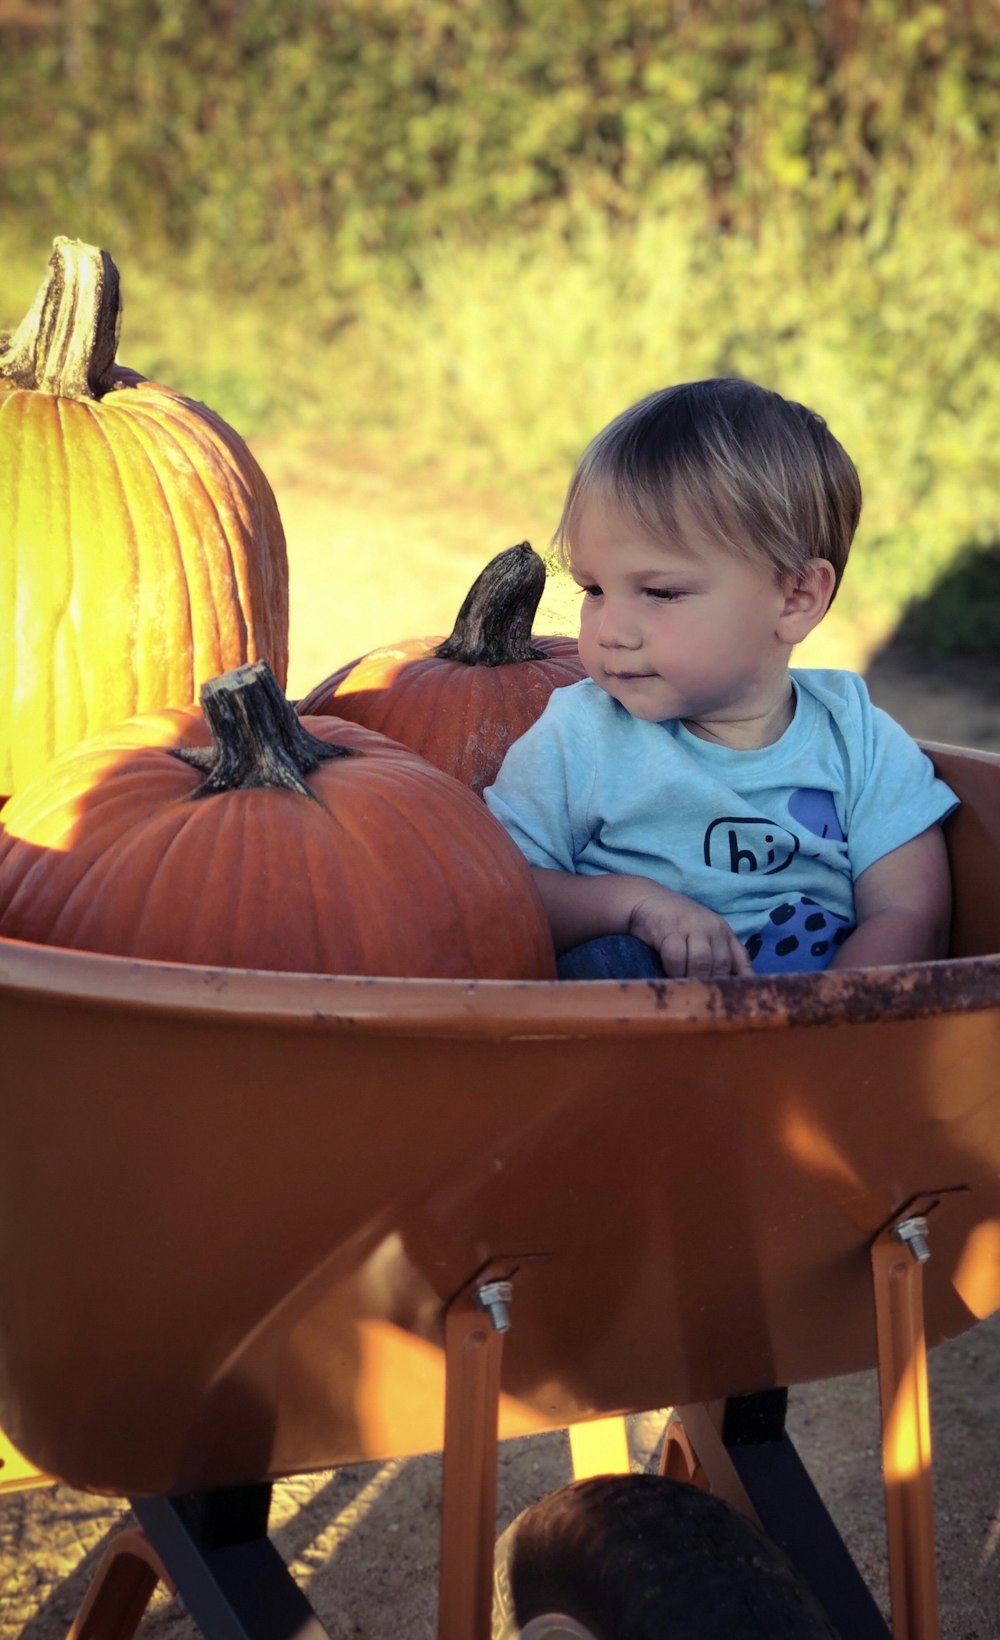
(459, 235)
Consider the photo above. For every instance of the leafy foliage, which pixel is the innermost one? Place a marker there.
(349, 127)
(483, 226)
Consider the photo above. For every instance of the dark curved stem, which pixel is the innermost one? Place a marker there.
(66, 343)
(493, 627)
(257, 740)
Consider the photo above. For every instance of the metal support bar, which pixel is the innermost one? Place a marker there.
(898, 1256)
(792, 1512)
(474, 1333)
(236, 1587)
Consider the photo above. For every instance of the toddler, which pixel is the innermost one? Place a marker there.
(694, 807)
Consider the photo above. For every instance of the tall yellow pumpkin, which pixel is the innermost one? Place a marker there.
(141, 549)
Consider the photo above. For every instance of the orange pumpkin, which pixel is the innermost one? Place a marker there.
(251, 838)
(140, 544)
(462, 700)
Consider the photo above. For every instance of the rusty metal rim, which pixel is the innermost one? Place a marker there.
(499, 1008)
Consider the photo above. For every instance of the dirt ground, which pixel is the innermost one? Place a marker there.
(393, 562)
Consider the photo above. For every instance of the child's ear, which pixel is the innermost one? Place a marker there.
(807, 599)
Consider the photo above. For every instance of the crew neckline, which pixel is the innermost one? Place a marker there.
(715, 752)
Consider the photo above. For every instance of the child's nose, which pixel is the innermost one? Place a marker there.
(617, 627)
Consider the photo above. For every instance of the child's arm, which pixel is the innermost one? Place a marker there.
(903, 906)
(691, 941)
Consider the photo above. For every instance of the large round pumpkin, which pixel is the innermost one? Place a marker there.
(460, 701)
(141, 549)
(250, 838)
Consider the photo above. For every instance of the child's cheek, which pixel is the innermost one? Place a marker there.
(588, 649)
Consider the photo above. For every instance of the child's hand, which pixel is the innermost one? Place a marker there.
(692, 942)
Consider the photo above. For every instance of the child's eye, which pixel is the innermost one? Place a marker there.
(589, 591)
(664, 595)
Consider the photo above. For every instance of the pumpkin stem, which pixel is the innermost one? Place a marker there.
(493, 627)
(257, 740)
(66, 343)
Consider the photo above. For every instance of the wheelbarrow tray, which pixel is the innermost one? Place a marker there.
(234, 1205)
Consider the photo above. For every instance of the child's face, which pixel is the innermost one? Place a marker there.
(680, 628)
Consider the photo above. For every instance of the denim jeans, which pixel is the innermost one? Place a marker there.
(610, 956)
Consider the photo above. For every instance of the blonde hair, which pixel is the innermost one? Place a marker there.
(761, 474)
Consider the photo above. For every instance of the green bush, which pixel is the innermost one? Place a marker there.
(268, 140)
(466, 236)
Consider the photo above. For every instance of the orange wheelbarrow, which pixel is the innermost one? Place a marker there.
(253, 1225)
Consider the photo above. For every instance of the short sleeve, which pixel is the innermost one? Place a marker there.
(897, 793)
(539, 795)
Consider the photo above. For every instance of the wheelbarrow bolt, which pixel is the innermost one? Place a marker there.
(494, 1296)
(913, 1232)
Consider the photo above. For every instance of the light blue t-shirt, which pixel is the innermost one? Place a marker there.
(772, 838)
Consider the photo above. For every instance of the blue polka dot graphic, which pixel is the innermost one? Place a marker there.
(798, 937)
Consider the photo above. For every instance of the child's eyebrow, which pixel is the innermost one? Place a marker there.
(669, 572)
(647, 572)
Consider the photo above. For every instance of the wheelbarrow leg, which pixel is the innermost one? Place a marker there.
(121, 1588)
(898, 1256)
(475, 1323)
(224, 1566)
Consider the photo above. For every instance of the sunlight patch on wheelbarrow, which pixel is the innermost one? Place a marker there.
(975, 1277)
(814, 1148)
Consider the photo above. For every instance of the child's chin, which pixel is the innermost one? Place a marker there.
(647, 709)
(643, 698)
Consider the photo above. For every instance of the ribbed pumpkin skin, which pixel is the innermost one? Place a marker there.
(461, 718)
(396, 870)
(141, 551)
